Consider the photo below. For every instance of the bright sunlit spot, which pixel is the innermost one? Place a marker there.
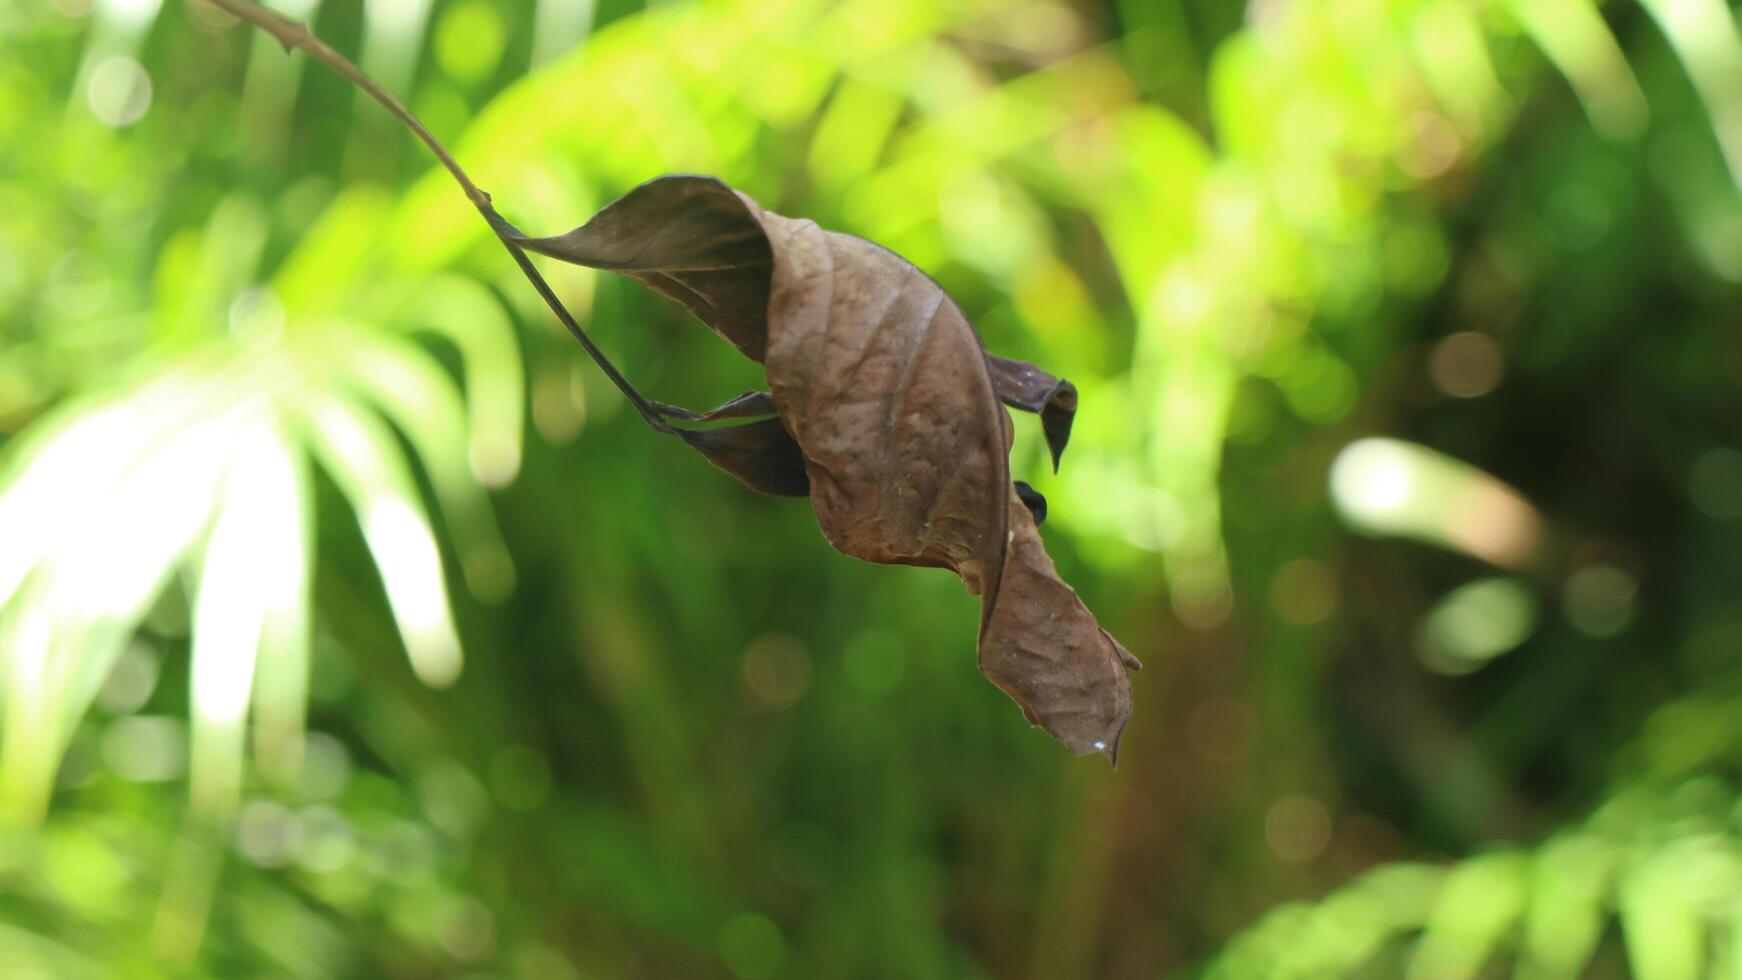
(251, 548)
(494, 460)
(119, 91)
(158, 508)
(61, 477)
(227, 625)
(131, 10)
(1391, 487)
(1371, 479)
(1183, 297)
(411, 567)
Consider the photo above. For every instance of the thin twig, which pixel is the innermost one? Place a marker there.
(296, 36)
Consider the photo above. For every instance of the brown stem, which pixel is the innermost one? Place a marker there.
(296, 36)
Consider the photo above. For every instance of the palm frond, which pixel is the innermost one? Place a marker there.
(1661, 865)
(201, 466)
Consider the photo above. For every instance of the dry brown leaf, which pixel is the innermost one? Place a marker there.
(1043, 647)
(887, 413)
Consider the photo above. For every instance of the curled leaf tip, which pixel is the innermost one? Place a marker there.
(1044, 649)
(1111, 749)
(1024, 386)
(1032, 499)
(1126, 657)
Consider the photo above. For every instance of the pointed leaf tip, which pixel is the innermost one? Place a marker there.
(1022, 385)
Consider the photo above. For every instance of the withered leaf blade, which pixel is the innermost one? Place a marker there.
(888, 416)
(1022, 385)
(760, 454)
(880, 378)
(895, 406)
(688, 237)
(1044, 649)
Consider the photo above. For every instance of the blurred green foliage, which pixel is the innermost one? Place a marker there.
(1408, 461)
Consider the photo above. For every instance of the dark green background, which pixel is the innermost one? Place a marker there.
(1449, 719)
